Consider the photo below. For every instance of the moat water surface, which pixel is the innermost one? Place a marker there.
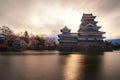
(51, 65)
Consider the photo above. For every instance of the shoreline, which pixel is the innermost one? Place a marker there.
(51, 52)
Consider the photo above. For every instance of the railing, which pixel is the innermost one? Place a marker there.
(4, 46)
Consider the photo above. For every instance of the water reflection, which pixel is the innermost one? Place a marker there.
(30, 67)
(72, 67)
(75, 66)
(92, 67)
(11, 68)
(83, 66)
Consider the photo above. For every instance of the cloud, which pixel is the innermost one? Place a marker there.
(55, 14)
(108, 5)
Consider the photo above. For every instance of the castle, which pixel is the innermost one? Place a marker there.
(87, 36)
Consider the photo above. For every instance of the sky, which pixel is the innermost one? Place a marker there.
(49, 16)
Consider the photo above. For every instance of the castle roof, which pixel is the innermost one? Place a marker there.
(2, 36)
(90, 24)
(65, 29)
(87, 16)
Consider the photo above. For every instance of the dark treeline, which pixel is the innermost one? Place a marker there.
(115, 46)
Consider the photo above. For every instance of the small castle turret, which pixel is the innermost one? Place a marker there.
(67, 39)
(65, 30)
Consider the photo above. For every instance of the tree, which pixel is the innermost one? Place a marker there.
(40, 40)
(5, 30)
(26, 37)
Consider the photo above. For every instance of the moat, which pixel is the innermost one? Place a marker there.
(51, 65)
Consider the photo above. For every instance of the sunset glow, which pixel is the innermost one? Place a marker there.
(48, 17)
(34, 20)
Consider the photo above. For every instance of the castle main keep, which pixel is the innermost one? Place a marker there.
(88, 34)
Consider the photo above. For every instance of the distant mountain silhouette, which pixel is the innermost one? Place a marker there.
(114, 41)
